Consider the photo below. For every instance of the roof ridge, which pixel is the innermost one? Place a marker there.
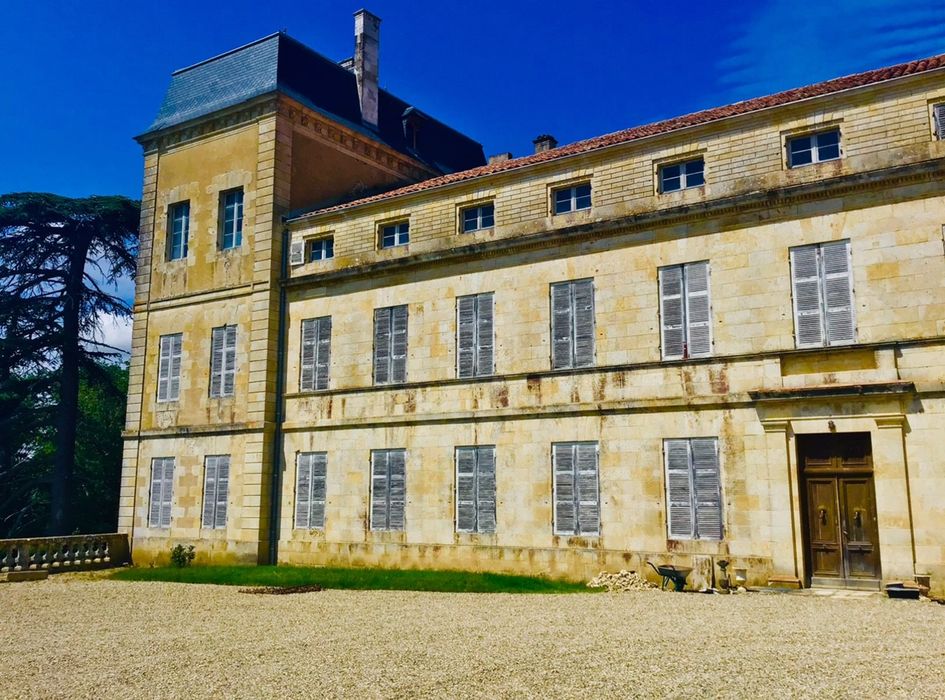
(663, 126)
(227, 53)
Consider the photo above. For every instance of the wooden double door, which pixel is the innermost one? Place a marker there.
(842, 537)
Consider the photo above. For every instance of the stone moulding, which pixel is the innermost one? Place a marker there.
(66, 553)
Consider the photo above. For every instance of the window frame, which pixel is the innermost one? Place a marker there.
(321, 324)
(685, 269)
(391, 357)
(216, 521)
(477, 528)
(172, 232)
(164, 505)
(171, 356)
(573, 198)
(477, 207)
(823, 295)
(576, 501)
(572, 323)
(693, 491)
(815, 146)
(387, 527)
(479, 350)
(314, 459)
(229, 361)
(236, 235)
(683, 176)
(397, 234)
(325, 243)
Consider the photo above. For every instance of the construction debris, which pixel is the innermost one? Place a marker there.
(281, 590)
(621, 582)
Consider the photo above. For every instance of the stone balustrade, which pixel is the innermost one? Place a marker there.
(65, 553)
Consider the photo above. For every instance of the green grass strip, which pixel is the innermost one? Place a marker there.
(353, 579)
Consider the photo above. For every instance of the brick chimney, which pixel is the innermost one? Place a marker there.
(545, 142)
(367, 37)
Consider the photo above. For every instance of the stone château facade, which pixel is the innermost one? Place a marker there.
(720, 336)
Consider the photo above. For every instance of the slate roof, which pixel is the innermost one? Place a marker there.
(279, 63)
(697, 118)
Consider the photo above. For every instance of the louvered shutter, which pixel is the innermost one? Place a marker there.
(323, 353)
(588, 496)
(838, 293)
(583, 313)
(309, 338)
(382, 345)
(671, 312)
(209, 491)
(466, 489)
(217, 362)
(167, 492)
(398, 353)
(561, 326)
(223, 491)
(319, 462)
(706, 488)
(164, 368)
(485, 489)
(157, 485)
(297, 253)
(939, 113)
(485, 335)
(379, 489)
(397, 484)
(174, 384)
(808, 312)
(698, 310)
(229, 357)
(466, 336)
(678, 489)
(565, 515)
(303, 490)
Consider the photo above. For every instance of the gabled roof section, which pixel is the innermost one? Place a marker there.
(656, 128)
(279, 63)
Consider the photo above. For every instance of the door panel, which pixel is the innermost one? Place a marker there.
(860, 534)
(824, 527)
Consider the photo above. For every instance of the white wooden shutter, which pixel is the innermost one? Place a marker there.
(173, 392)
(309, 339)
(167, 492)
(229, 361)
(588, 495)
(671, 312)
(582, 294)
(398, 344)
(382, 345)
(698, 310)
(466, 489)
(164, 368)
(323, 353)
(706, 488)
(678, 489)
(561, 326)
(223, 491)
(397, 485)
(466, 327)
(808, 305)
(217, 362)
(485, 335)
(209, 491)
(565, 491)
(939, 114)
(485, 489)
(838, 293)
(297, 253)
(157, 487)
(379, 489)
(303, 490)
(319, 465)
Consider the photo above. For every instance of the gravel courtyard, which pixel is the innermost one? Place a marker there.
(68, 637)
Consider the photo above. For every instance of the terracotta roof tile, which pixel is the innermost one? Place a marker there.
(696, 118)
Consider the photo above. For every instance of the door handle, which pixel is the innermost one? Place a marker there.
(858, 518)
(823, 516)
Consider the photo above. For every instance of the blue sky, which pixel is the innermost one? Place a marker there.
(81, 78)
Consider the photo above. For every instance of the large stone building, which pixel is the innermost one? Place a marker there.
(720, 336)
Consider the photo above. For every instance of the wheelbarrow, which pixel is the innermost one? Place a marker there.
(676, 574)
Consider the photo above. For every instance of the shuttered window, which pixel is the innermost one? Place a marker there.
(162, 492)
(822, 277)
(475, 489)
(316, 354)
(231, 218)
(178, 230)
(576, 492)
(310, 485)
(685, 311)
(390, 345)
(572, 324)
(474, 335)
(938, 119)
(216, 489)
(223, 361)
(169, 360)
(388, 489)
(693, 489)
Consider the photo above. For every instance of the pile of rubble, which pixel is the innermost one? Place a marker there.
(621, 582)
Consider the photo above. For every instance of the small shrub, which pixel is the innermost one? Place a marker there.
(181, 556)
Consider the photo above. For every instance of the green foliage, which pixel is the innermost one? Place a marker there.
(181, 556)
(354, 579)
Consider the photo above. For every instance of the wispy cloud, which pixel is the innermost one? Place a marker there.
(114, 331)
(787, 43)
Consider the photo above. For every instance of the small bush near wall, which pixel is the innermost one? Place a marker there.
(181, 556)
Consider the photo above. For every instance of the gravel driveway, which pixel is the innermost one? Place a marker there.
(98, 638)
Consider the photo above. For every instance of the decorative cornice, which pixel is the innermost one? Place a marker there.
(211, 124)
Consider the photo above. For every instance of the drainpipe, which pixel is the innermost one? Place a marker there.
(275, 494)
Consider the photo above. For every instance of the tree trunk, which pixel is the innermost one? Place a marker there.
(60, 521)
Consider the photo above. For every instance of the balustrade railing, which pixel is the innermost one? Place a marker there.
(66, 553)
